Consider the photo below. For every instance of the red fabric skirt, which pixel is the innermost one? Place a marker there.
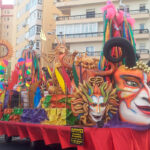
(94, 138)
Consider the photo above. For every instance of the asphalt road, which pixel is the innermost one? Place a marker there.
(17, 144)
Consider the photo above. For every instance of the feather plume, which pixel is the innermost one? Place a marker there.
(49, 71)
(66, 78)
(60, 80)
(75, 75)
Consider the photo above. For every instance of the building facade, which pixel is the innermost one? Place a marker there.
(6, 23)
(28, 24)
(31, 17)
(82, 24)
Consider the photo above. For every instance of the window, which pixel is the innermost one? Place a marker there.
(21, 12)
(142, 46)
(142, 28)
(37, 44)
(34, 30)
(39, 14)
(39, 1)
(77, 28)
(33, 3)
(7, 26)
(7, 18)
(19, 2)
(90, 13)
(90, 51)
(127, 8)
(27, 35)
(142, 7)
(38, 29)
(27, 7)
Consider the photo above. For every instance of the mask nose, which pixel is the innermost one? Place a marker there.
(147, 94)
(98, 109)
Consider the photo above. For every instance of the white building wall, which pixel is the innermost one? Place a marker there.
(81, 47)
(82, 9)
(132, 4)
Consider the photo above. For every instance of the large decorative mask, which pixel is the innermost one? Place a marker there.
(133, 88)
(94, 101)
(132, 83)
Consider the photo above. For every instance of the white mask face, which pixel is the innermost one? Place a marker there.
(135, 108)
(97, 108)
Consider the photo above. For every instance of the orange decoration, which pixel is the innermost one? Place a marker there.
(9, 50)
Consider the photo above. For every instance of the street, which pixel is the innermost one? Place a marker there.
(17, 144)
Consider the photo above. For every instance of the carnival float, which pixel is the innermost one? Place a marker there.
(74, 89)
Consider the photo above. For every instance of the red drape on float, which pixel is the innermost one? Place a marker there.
(95, 138)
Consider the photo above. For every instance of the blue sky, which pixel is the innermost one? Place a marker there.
(8, 1)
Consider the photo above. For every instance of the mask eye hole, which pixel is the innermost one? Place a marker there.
(148, 84)
(132, 83)
(94, 104)
(103, 104)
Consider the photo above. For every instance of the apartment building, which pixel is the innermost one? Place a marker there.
(31, 17)
(27, 25)
(6, 23)
(82, 24)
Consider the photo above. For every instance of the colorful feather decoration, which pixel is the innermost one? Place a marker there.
(81, 79)
(66, 78)
(60, 80)
(75, 75)
(49, 71)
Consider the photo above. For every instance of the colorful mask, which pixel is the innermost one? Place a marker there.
(94, 101)
(133, 89)
(97, 106)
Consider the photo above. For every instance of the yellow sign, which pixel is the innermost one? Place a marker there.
(77, 136)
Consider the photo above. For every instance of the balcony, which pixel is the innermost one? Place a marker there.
(142, 51)
(78, 17)
(83, 37)
(141, 33)
(93, 54)
(97, 17)
(98, 36)
(70, 3)
(138, 14)
(144, 54)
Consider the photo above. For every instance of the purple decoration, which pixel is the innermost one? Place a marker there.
(6, 62)
(115, 122)
(34, 115)
(6, 100)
